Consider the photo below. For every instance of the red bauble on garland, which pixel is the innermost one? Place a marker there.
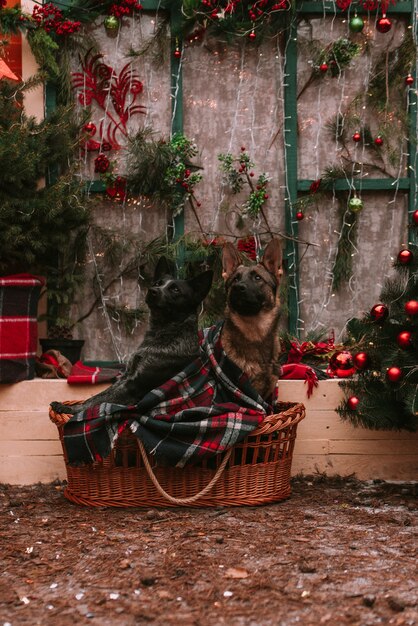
(323, 67)
(356, 137)
(404, 339)
(299, 216)
(394, 374)
(378, 141)
(361, 360)
(177, 53)
(409, 80)
(405, 257)
(90, 128)
(411, 307)
(353, 402)
(341, 364)
(415, 217)
(252, 35)
(379, 312)
(383, 24)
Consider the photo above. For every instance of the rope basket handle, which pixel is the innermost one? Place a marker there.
(190, 499)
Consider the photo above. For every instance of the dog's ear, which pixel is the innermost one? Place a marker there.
(201, 284)
(272, 258)
(230, 260)
(164, 267)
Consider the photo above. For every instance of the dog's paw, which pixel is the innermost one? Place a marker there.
(60, 407)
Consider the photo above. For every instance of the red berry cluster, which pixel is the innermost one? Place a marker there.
(182, 180)
(125, 8)
(262, 7)
(101, 164)
(51, 19)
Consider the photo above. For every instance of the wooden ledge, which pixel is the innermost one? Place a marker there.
(30, 450)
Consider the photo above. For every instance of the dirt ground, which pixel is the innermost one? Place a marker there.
(337, 552)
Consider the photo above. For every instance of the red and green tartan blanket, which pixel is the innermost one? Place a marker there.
(19, 295)
(202, 411)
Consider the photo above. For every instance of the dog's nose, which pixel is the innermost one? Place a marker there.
(242, 287)
(153, 291)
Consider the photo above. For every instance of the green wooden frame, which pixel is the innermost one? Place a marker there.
(293, 184)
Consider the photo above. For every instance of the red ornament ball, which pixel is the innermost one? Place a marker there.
(378, 141)
(90, 128)
(383, 24)
(177, 53)
(379, 312)
(299, 216)
(394, 374)
(323, 67)
(415, 217)
(252, 35)
(356, 137)
(404, 339)
(405, 257)
(353, 403)
(411, 307)
(341, 364)
(361, 360)
(409, 80)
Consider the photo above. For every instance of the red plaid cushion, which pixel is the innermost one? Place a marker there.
(19, 295)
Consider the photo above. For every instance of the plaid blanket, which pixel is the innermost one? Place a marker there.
(19, 295)
(202, 411)
(82, 374)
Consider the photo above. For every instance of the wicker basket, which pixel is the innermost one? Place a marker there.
(253, 472)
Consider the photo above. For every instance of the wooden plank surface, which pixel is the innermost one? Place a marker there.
(36, 394)
(32, 469)
(363, 467)
(30, 450)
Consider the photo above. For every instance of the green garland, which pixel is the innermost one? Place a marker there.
(232, 19)
(163, 170)
(238, 174)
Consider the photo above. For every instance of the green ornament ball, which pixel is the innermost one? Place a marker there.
(111, 24)
(355, 204)
(356, 24)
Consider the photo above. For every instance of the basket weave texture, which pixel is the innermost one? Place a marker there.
(255, 471)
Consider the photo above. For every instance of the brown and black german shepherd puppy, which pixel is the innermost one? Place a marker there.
(249, 335)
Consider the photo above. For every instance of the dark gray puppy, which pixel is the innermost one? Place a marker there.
(170, 343)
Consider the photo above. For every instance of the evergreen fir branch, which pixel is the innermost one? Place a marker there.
(44, 49)
(11, 20)
(379, 407)
(162, 170)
